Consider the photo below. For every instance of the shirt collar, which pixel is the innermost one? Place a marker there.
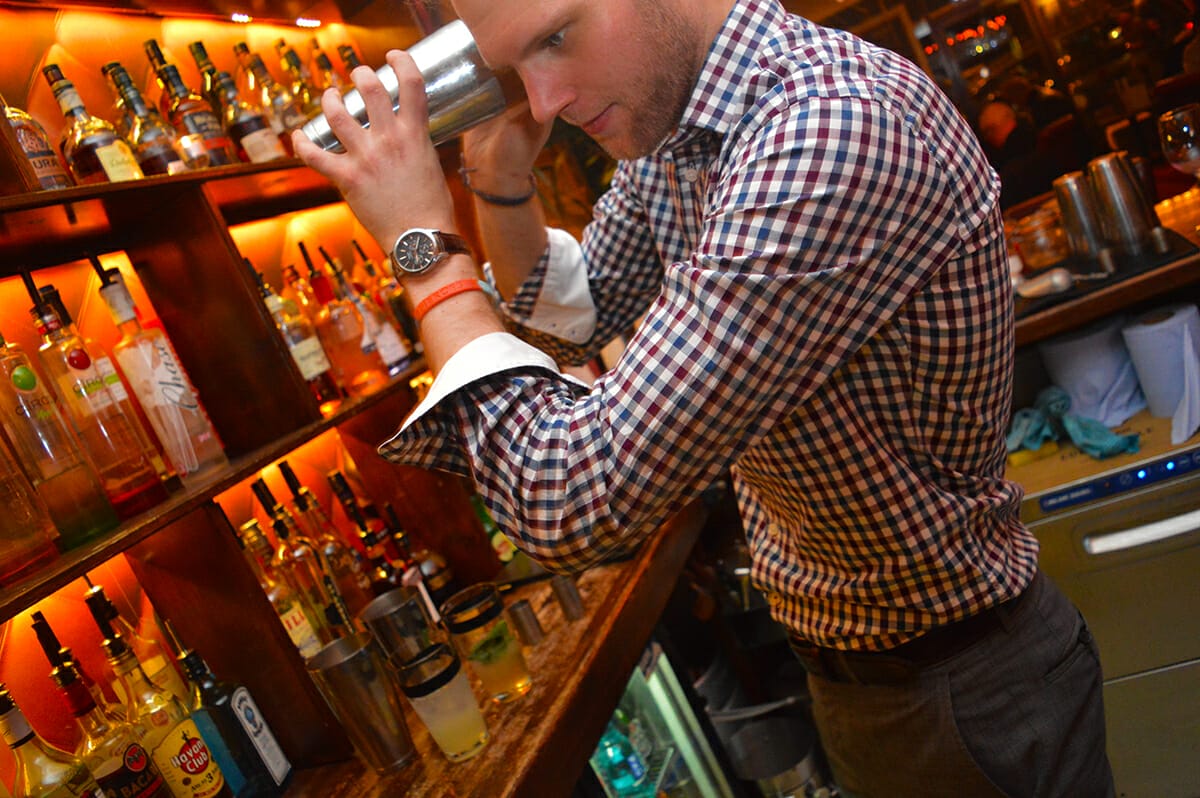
(719, 98)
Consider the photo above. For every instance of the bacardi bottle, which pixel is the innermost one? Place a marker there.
(43, 771)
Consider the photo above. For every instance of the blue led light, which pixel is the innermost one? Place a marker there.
(1141, 474)
(1170, 465)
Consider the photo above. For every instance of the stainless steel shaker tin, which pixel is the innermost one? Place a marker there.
(460, 89)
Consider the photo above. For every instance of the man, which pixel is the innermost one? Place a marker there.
(810, 236)
(1011, 147)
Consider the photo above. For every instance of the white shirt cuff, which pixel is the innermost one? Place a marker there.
(564, 307)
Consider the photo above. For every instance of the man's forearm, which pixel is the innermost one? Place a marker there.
(514, 237)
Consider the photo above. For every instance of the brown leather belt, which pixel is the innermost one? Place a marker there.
(906, 661)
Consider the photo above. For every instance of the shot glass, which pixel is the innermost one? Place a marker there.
(436, 686)
(484, 638)
(400, 624)
(365, 696)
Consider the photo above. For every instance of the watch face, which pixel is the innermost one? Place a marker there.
(415, 252)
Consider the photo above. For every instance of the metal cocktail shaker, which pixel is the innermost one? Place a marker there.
(1125, 214)
(460, 89)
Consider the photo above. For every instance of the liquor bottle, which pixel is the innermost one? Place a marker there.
(390, 295)
(171, 737)
(129, 479)
(162, 386)
(116, 385)
(324, 76)
(27, 532)
(245, 748)
(297, 292)
(199, 127)
(208, 77)
(517, 564)
(304, 626)
(155, 658)
(349, 57)
(43, 771)
(110, 746)
(280, 107)
(49, 452)
(619, 765)
(300, 557)
(157, 61)
(344, 563)
(91, 147)
(300, 85)
(306, 350)
(434, 572)
(155, 143)
(61, 656)
(343, 332)
(250, 130)
(38, 150)
(393, 349)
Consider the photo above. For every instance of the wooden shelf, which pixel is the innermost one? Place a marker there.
(541, 742)
(72, 564)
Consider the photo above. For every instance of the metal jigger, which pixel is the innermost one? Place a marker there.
(461, 91)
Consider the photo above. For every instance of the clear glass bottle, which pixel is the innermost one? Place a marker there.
(281, 108)
(304, 626)
(394, 350)
(343, 332)
(108, 434)
(250, 130)
(208, 77)
(324, 76)
(199, 127)
(91, 147)
(162, 386)
(60, 656)
(38, 150)
(155, 658)
(389, 294)
(299, 84)
(155, 143)
(43, 771)
(171, 736)
(27, 532)
(50, 453)
(115, 382)
(344, 563)
(301, 558)
(306, 350)
(297, 292)
(248, 753)
(349, 57)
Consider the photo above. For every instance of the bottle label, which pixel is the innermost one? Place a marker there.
(83, 385)
(310, 358)
(132, 776)
(207, 126)
(157, 376)
(80, 785)
(186, 763)
(108, 373)
(260, 734)
(300, 630)
(118, 162)
(263, 145)
(391, 345)
(45, 163)
(14, 728)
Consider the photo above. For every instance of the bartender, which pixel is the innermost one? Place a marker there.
(810, 236)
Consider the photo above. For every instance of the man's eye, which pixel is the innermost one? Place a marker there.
(553, 41)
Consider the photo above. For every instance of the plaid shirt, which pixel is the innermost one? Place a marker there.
(818, 260)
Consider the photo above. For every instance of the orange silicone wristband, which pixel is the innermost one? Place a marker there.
(442, 294)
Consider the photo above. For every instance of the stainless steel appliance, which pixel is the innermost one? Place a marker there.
(1122, 538)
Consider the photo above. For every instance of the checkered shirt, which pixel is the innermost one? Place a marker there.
(817, 260)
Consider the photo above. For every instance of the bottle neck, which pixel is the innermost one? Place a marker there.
(16, 729)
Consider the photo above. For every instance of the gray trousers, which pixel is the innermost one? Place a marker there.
(1017, 714)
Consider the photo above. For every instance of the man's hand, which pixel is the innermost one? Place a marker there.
(390, 174)
(501, 151)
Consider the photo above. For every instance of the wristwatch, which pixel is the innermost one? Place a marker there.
(419, 249)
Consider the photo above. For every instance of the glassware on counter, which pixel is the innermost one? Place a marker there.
(479, 626)
(1179, 134)
(438, 690)
(1039, 238)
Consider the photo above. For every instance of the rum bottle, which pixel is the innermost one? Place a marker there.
(305, 348)
(155, 143)
(300, 557)
(43, 771)
(245, 748)
(344, 334)
(393, 349)
(129, 479)
(34, 142)
(171, 736)
(26, 530)
(251, 131)
(91, 147)
(343, 562)
(49, 452)
(162, 386)
(304, 626)
(199, 127)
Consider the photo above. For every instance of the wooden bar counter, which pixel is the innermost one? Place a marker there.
(541, 742)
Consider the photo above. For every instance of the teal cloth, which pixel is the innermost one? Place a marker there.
(1092, 437)
(1029, 430)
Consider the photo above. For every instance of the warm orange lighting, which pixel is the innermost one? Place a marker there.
(305, 22)
(241, 18)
